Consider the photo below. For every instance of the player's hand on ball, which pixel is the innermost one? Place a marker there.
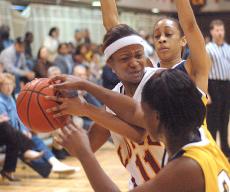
(68, 106)
(66, 82)
(75, 140)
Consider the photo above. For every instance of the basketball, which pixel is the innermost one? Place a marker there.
(32, 106)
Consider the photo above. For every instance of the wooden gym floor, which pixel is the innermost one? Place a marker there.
(32, 182)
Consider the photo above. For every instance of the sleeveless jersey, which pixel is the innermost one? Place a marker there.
(214, 164)
(143, 160)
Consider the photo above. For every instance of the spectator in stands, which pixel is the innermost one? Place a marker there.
(78, 58)
(109, 78)
(95, 69)
(42, 63)
(16, 144)
(13, 60)
(82, 71)
(5, 40)
(53, 71)
(48, 161)
(71, 48)
(64, 60)
(84, 52)
(51, 42)
(86, 36)
(28, 40)
(57, 149)
(78, 37)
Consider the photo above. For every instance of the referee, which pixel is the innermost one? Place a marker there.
(219, 84)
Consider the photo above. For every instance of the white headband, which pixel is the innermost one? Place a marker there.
(123, 42)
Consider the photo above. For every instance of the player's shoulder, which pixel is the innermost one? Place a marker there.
(185, 171)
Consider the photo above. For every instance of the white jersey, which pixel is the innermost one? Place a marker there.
(145, 159)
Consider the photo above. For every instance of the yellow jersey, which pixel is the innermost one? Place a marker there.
(214, 164)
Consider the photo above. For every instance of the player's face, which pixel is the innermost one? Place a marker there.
(153, 122)
(128, 63)
(7, 87)
(167, 40)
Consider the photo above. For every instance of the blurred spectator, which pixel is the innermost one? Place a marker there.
(17, 144)
(57, 149)
(53, 71)
(78, 37)
(95, 69)
(84, 52)
(5, 40)
(109, 78)
(51, 42)
(79, 58)
(29, 37)
(82, 72)
(64, 60)
(42, 64)
(86, 36)
(71, 48)
(13, 60)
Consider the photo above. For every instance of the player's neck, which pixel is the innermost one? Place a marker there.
(171, 63)
(176, 143)
(130, 88)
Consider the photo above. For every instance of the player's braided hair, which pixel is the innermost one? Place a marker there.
(176, 98)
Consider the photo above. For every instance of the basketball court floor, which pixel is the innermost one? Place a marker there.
(78, 182)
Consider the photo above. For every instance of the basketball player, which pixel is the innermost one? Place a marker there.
(125, 54)
(196, 164)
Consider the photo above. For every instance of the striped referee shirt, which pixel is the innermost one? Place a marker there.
(220, 56)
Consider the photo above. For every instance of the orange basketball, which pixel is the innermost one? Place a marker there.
(32, 106)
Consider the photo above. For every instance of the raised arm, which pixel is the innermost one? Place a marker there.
(198, 65)
(109, 13)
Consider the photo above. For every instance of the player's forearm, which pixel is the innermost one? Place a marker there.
(123, 106)
(113, 123)
(96, 175)
(109, 13)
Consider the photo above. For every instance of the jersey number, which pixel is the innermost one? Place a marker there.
(148, 158)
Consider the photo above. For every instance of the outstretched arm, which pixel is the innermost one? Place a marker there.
(123, 106)
(109, 14)
(104, 119)
(198, 65)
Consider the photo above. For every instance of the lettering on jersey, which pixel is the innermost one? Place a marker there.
(141, 168)
(125, 161)
(150, 142)
(141, 160)
(149, 158)
(223, 182)
(128, 148)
